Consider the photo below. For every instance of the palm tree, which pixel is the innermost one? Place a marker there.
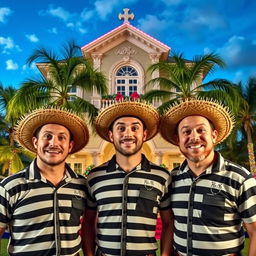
(181, 79)
(245, 119)
(11, 155)
(53, 89)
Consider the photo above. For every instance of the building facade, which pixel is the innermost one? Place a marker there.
(123, 55)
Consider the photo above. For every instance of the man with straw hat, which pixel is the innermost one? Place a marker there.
(211, 197)
(126, 192)
(41, 206)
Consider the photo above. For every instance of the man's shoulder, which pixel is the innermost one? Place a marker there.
(98, 169)
(236, 169)
(158, 168)
(14, 179)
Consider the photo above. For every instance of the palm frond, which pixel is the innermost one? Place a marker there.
(157, 94)
(80, 105)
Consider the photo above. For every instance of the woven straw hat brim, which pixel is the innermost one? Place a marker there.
(213, 111)
(145, 112)
(27, 126)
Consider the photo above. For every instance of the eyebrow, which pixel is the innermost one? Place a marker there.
(65, 133)
(123, 123)
(188, 126)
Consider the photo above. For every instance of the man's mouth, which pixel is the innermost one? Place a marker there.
(50, 151)
(128, 142)
(197, 146)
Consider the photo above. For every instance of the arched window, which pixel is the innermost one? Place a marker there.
(126, 80)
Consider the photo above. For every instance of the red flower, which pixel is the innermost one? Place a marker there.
(134, 96)
(119, 97)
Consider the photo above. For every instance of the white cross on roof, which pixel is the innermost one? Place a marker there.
(126, 16)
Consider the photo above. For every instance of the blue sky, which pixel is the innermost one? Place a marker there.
(196, 27)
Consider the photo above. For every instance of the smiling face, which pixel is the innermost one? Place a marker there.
(128, 135)
(53, 144)
(196, 138)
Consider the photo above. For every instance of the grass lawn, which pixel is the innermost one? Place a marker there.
(4, 243)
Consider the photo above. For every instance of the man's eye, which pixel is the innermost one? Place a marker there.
(135, 128)
(121, 129)
(186, 132)
(201, 130)
(48, 136)
(62, 137)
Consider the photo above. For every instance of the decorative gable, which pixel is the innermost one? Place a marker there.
(126, 32)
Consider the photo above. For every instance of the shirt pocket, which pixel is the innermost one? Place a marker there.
(213, 208)
(146, 203)
(77, 211)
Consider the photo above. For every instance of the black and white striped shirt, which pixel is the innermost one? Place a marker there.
(127, 205)
(43, 220)
(209, 209)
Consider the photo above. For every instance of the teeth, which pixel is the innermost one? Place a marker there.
(196, 146)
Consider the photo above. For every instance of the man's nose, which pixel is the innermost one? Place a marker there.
(194, 136)
(128, 132)
(53, 141)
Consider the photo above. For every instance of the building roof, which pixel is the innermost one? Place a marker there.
(126, 32)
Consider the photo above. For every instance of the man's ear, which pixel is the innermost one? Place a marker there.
(110, 135)
(34, 141)
(176, 139)
(71, 146)
(215, 135)
(145, 135)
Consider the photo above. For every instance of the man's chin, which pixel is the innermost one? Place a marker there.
(55, 163)
(196, 159)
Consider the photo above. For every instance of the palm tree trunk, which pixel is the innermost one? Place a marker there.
(250, 148)
(11, 139)
(251, 156)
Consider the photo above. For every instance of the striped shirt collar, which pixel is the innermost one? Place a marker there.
(218, 164)
(144, 165)
(33, 172)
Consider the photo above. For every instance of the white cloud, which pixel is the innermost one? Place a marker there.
(82, 30)
(7, 44)
(171, 2)
(243, 74)
(53, 30)
(152, 23)
(70, 25)
(27, 67)
(239, 51)
(11, 65)
(4, 12)
(196, 18)
(33, 66)
(87, 14)
(72, 20)
(104, 8)
(32, 37)
(207, 50)
(59, 12)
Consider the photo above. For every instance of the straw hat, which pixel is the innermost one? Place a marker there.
(145, 112)
(27, 126)
(213, 111)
